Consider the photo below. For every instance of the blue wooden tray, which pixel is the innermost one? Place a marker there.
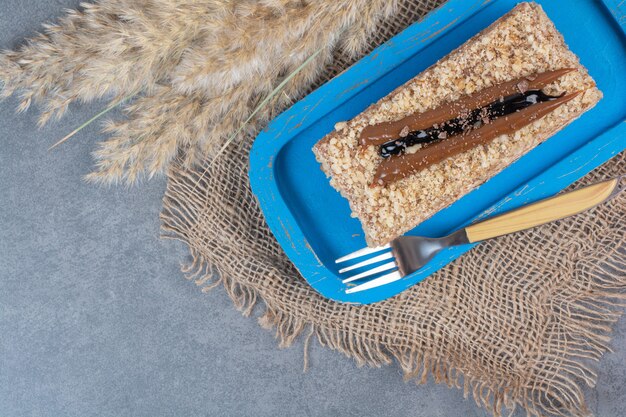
(312, 221)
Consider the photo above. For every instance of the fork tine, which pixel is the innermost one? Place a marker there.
(361, 252)
(375, 259)
(382, 268)
(385, 279)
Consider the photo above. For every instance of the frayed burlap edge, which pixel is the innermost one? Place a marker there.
(581, 309)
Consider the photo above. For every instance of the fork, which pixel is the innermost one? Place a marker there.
(407, 254)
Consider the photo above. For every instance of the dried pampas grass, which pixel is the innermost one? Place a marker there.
(198, 69)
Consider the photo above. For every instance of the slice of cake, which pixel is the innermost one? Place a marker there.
(457, 124)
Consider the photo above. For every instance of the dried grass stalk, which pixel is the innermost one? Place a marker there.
(201, 67)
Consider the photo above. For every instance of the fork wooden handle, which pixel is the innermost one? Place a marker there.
(545, 211)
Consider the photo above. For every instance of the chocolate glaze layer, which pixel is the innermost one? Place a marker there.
(396, 168)
(386, 131)
(473, 120)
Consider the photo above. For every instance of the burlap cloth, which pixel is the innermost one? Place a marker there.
(516, 321)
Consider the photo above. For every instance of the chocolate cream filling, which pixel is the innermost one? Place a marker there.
(466, 122)
(398, 167)
(384, 132)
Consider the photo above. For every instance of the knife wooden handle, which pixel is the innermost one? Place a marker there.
(542, 212)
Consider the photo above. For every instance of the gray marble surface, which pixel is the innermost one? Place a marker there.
(97, 320)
